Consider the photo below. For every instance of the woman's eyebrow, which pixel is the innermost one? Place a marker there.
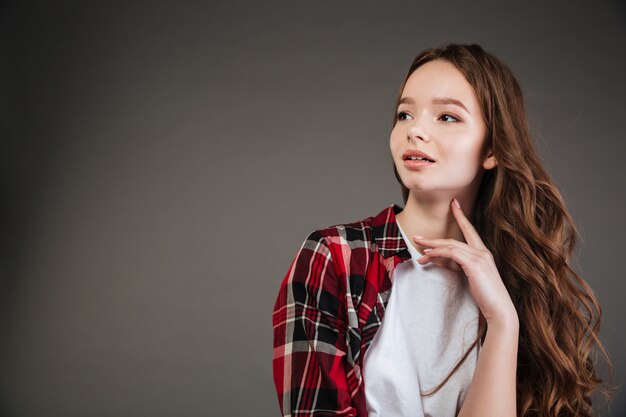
(448, 100)
(437, 100)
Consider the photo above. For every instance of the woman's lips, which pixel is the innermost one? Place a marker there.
(416, 164)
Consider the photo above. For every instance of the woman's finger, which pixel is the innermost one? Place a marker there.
(469, 231)
(439, 242)
(460, 256)
(440, 261)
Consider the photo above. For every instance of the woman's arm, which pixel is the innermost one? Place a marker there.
(492, 392)
(309, 360)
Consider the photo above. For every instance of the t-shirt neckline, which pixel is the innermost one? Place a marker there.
(412, 249)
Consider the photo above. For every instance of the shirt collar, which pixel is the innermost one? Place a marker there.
(387, 234)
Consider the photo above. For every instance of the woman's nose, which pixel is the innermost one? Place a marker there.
(417, 132)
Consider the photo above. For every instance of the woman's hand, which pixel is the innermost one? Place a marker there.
(477, 262)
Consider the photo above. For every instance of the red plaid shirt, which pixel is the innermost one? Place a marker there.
(329, 307)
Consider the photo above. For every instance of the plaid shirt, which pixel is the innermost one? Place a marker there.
(330, 304)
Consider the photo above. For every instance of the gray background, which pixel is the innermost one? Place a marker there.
(162, 163)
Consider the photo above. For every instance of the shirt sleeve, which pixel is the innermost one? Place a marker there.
(309, 360)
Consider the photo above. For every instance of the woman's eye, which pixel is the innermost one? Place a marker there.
(454, 119)
(401, 115)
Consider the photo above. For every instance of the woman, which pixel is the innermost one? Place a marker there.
(483, 315)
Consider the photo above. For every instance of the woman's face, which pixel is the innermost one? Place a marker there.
(440, 116)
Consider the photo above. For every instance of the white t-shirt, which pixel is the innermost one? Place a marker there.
(429, 323)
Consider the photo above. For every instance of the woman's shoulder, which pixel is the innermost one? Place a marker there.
(352, 233)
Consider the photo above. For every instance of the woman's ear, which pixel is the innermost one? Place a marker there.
(490, 161)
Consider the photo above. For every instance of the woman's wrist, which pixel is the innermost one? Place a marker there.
(505, 322)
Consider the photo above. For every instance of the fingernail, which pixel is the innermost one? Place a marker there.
(456, 202)
(427, 250)
(418, 237)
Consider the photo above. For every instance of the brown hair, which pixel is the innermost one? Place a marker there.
(521, 217)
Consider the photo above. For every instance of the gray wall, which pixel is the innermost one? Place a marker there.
(162, 163)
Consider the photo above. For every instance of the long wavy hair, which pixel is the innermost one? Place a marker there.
(521, 217)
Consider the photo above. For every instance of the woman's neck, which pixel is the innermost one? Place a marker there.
(432, 217)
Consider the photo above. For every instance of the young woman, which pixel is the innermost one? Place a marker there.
(461, 303)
